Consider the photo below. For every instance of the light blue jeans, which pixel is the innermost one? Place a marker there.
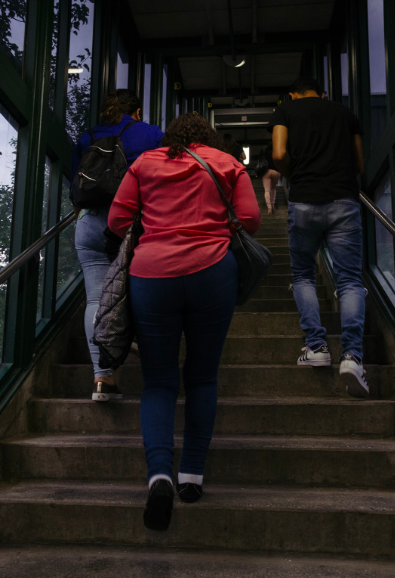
(89, 242)
(339, 224)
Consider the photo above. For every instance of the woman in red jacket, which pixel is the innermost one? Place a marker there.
(183, 279)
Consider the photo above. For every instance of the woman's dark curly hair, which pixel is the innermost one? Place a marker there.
(119, 102)
(189, 129)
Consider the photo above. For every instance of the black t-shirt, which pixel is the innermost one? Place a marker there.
(320, 144)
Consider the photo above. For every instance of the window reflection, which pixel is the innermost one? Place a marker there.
(164, 96)
(122, 66)
(12, 30)
(8, 154)
(8, 157)
(80, 64)
(378, 83)
(344, 72)
(384, 239)
(147, 92)
(326, 83)
(68, 264)
(44, 228)
(54, 53)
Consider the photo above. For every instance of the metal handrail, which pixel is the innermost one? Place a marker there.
(28, 253)
(378, 213)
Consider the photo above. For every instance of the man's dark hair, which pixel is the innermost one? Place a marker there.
(305, 83)
(189, 129)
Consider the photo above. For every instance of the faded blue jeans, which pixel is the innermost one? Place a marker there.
(89, 242)
(339, 224)
(201, 305)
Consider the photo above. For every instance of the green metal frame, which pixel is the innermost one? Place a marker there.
(42, 133)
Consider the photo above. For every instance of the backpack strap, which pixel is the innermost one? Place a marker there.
(127, 126)
(232, 215)
(92, 135)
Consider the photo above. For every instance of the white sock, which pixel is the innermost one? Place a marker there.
(159, 477)
(190, 479)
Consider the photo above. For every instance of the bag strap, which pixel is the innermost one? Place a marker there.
(127, 126)
(92, 135)
(232, 215)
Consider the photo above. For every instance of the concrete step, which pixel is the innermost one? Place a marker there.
(114, 562)
(278, 305)
(235, 416)
(254, 349)
(272, 520)
(280, 268)
(281, 259)
(282, 323)
(250, 460)
(271, 241)
(279, 250)
(275, 279)
(263, 381)
(273, 292)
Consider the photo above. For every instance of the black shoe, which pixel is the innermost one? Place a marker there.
(157, 513)
(189, 492)
(104, 392)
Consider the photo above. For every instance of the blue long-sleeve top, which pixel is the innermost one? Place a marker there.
(136, 139)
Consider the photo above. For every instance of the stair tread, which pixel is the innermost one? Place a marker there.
(220, 442)
(232, 401)
(110, 562)
(228, 497)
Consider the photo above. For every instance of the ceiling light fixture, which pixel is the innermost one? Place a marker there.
(75, 70)
(236, 62)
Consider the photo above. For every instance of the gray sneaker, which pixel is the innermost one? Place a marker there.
(319, 357)
(352, 374)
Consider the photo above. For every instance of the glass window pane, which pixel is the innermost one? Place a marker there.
(65, 203)
(378, 82)
(80, 64)
(68, 264)
(54, 53)
(344, 73)
(147, 92)
(326, 83)
(8, 157)
(164, 96)
(12, 30)
(44, 228)
(384, 239)
(122, 66)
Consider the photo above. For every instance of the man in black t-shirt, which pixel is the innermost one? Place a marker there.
(317, 145)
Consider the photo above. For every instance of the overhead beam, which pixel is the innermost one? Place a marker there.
(181, 49)
(272, 90)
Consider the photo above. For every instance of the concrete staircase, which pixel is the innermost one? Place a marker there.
(299, 480)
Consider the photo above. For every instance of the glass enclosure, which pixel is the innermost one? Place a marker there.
(80, 65)
(164, 95)
(377, 70)
(344, 72)
(54, 52)
(44, 228)
(12, 31)
(122, 80)
(147, 92)
(384, 239)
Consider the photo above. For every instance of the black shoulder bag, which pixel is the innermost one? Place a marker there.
(253, 259)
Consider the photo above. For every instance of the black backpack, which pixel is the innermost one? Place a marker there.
(101, 170)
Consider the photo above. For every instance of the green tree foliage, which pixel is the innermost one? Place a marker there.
(11, 10)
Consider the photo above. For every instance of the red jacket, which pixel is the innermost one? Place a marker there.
(184, 217)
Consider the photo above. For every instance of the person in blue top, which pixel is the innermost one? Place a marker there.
(121, 107)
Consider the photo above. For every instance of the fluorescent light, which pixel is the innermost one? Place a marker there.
(75, 70)
(247, 152)
(241, 64)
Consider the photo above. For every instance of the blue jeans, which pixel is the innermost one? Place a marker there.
(201, 305)
(89, 242)
(339, 224)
